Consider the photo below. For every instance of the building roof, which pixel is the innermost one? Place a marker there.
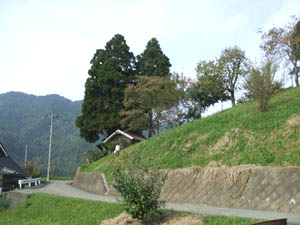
(8, 165)
(129, 135)
(2, 151)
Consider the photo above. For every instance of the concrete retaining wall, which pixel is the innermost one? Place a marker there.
(16, 197)
(92, 182)
(245, 187)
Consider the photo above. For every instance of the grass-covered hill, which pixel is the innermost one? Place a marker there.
(24, 120)
(239, 135)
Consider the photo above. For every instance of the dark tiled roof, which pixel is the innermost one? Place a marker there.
(8, 165)
(2, 150)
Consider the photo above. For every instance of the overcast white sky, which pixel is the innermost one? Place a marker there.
(46, 46)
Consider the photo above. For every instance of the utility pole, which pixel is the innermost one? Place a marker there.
(25, 160)
(51, 115)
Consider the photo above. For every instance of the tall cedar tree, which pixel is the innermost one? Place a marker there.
(232, 65)
(153, 62)
(111, 71)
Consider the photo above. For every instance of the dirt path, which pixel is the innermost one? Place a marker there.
(64, 188)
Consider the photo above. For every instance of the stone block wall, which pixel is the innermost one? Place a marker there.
(244, 187)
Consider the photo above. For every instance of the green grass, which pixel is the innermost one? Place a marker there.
(68, 177)
(239, 135)
(44, 209)
(223, 220)
(55, 210)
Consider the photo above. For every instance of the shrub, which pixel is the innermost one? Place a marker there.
(4, 204)
(140, 186)
(93, 155)
(261, 85)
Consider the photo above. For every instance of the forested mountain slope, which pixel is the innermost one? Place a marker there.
(24, 120)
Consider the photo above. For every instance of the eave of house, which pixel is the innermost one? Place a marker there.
(118, 132)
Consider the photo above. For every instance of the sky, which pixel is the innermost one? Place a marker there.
(46, 46)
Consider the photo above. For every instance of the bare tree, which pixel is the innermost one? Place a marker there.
(283, 43)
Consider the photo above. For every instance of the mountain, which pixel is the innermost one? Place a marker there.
(236, 136)
(24, 119)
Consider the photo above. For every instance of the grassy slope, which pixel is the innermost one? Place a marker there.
(240, 135)
(55, 210)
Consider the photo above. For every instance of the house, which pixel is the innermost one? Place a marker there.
(10, 171)
(124, 139)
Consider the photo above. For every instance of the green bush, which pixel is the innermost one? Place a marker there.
(4, 204)
(261, 85)
(140, 186)
(93, 155)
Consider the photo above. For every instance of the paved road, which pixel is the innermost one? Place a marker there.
(64, 188)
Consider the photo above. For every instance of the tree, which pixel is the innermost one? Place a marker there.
(208, 90)
(261, 85)
(33, 168)
(296, 40)
(145, 102)
(111, 71)
(153, 62)
(177, 115)
(284, 44)
(207, 74)
(232, 64)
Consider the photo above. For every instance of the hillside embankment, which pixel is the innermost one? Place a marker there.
(208, 160)
(244, 187)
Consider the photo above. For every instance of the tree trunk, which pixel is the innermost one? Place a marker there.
(296, 76)
(157, 127)
(150, 132)
(232, 98)
(151, 126)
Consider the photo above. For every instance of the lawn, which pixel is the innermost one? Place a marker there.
(44, 209)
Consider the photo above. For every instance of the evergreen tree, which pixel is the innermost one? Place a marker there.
(153, 62)
(111, 71)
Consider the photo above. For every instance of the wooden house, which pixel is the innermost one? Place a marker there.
(10, 171)
(125, 139)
